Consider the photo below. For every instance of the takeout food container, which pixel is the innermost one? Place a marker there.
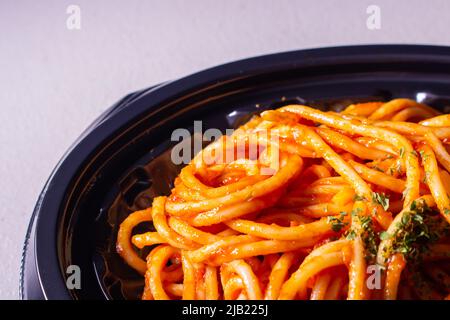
(121, 161)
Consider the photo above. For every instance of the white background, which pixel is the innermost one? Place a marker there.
(55, 81)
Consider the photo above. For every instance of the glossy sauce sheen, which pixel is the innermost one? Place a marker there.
(142, 184)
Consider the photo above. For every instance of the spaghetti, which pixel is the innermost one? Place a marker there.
(304, 204)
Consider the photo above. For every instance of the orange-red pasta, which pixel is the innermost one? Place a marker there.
(304, 204)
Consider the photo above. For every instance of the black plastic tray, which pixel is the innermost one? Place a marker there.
(72, 222)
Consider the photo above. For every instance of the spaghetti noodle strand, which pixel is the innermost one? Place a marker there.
(300, 203)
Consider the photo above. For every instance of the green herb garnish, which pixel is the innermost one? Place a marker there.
(337, 223)
(381, 199)
(416, 230)
(377, 168)
(351, 234)
(367, 234)
(358, 198)
(384, 235)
